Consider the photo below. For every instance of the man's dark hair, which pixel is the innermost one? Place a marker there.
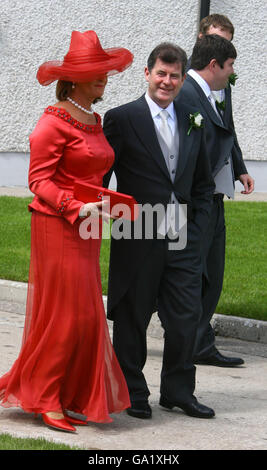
(169, 53)
(217, 21)
(211, 47)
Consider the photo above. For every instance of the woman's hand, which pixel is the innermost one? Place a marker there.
(94, 209)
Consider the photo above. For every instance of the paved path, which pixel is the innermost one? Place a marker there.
(239, 397)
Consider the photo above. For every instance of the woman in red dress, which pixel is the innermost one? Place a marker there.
(67, 362)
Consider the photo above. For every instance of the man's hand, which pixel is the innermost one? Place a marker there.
(248, 183)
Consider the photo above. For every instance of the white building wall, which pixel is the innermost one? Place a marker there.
(32, 32)
(250, 92)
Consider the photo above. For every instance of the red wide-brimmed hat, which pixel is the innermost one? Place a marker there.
(86, 60)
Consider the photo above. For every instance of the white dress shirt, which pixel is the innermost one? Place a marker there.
(155, 109)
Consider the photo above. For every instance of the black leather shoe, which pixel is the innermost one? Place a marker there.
(193, 408)
(217, 359)
(140, 409)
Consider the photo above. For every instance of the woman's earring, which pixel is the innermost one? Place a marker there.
(73, 86)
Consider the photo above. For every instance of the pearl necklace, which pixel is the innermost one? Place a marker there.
(87, 111)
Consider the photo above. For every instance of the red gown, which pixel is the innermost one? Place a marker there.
(66, 360)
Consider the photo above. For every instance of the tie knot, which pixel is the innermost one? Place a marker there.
(164, 114)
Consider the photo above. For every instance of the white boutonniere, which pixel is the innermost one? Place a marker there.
(196, 121)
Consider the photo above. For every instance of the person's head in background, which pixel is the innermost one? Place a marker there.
(216, 24)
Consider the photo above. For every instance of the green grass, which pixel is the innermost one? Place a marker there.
(8, 442)
(14, 238)
(15, 235)
(244, 291)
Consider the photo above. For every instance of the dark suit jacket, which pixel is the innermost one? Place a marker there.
(221, 138)
(238, 162)
(141, 171)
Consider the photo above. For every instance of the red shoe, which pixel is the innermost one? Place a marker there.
(72, 420)
(58, 424)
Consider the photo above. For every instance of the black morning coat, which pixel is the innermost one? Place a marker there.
(219, 136)
(141, 171)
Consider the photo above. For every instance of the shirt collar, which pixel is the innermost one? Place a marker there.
(201, 82)
(155, 108)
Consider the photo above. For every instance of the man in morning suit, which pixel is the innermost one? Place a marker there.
(211, 65)
(159, 163)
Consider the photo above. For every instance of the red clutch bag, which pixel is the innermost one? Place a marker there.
(120, 205)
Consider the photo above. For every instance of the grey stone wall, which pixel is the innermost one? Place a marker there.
(32, 32)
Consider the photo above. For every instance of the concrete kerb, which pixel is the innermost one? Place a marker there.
(224, 325)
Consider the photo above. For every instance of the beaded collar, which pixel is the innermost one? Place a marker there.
(63, 114)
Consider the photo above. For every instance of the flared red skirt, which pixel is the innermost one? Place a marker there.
(66, 359)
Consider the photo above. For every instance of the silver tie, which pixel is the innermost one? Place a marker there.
(164, 129)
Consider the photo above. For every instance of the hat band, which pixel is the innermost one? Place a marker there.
(85, 58)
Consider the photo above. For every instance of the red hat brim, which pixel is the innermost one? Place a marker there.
(85, 61)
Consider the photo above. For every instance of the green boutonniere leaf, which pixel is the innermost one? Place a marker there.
(220, 105)
(232, 79)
